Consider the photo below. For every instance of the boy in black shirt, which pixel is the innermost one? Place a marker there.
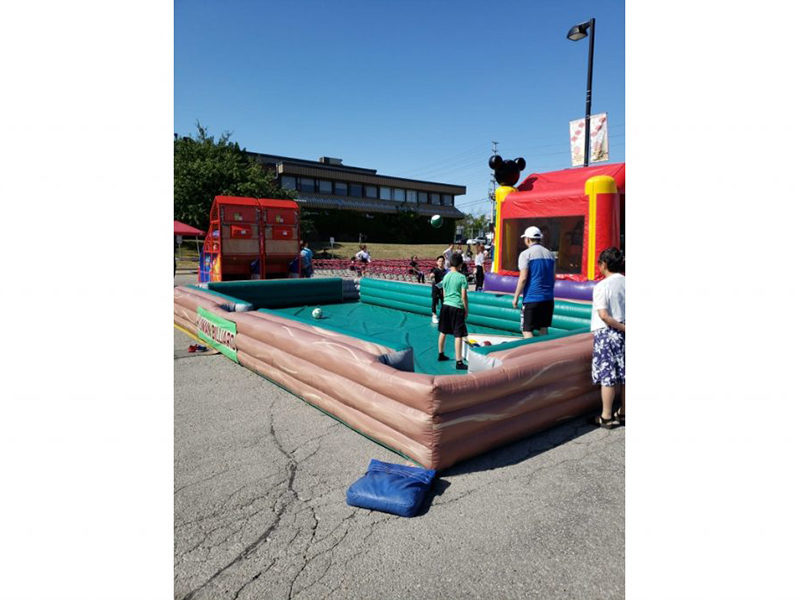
(437, 294)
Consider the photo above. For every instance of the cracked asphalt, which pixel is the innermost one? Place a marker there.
(260, 511)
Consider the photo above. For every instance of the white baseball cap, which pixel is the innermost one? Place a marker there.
(532, 232)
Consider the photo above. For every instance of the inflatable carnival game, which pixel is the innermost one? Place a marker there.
(580, 211)
(250, 238)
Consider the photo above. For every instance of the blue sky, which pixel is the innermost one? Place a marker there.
(414, 89)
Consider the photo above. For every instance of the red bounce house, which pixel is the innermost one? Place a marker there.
(580, 212)
(250, 238)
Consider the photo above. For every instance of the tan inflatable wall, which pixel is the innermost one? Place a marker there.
(433, 420)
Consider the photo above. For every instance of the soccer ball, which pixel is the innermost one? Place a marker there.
(437, 221)
(317, 313)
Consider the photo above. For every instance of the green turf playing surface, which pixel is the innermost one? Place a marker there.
(393, 327)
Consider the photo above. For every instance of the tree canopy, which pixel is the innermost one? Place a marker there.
(205, 168)
(475, 224)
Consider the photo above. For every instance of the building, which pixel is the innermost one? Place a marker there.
(348, 203)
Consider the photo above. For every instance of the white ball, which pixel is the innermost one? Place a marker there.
(317, 313)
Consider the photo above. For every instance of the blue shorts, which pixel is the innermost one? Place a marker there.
(608, 357)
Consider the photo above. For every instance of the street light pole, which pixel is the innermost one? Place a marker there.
(578, 33)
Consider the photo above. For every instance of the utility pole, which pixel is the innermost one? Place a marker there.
(492, 186)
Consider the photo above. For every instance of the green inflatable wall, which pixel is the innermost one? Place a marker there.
(275, 293)
(486, 309)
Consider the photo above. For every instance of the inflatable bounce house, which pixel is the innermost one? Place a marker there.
(580, 212)
(250, 238)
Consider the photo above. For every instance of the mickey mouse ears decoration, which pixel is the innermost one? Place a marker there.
(506, 172)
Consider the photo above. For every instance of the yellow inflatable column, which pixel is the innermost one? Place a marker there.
(601, 190)
(499, 196)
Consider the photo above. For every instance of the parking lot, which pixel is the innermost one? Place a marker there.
(260, 511)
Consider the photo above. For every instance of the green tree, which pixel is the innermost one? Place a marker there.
(475, 225)
(205, 168)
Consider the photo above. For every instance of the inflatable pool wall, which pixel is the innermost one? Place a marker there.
(434, 420)
(564, 288)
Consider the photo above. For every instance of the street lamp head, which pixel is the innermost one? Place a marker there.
(578, 32)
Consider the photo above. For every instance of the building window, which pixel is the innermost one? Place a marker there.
(435, 199)
(423, 197)
(447, 199)
(398, 195)
(325, 186)
(340, 188)
(306, 184)
(386, 193)
(411, 196)
(371, 191)
(356, 190)
(288, 182)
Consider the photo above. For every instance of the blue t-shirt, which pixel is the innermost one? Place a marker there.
(541, 265)
(306, 254)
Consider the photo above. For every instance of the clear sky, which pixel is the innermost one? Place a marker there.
(413, 88)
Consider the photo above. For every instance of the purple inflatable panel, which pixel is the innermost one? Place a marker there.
(566, 289)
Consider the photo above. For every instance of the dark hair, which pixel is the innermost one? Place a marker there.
(615, 261)
(456, 260)
(440, 256)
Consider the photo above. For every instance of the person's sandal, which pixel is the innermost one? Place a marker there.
(619, 416)
(604, 423)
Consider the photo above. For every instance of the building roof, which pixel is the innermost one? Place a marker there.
(333, 168)
(285, 165)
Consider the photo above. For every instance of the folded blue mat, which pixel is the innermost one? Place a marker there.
(390, 488)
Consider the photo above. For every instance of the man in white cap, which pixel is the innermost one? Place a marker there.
(537, 278)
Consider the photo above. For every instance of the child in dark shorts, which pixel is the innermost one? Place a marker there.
(437, 296)
(453, 317)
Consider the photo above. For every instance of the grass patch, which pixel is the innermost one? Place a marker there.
(345, 250)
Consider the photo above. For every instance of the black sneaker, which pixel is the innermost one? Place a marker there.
(461, 366)
(443, 357)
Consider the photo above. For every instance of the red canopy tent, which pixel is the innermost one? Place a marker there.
(184, 229)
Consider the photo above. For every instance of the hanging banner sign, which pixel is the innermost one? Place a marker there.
(217, 332)
(598, 144)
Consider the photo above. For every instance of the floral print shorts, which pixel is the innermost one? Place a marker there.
(608, 357)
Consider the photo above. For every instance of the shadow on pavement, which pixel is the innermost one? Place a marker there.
(437, 489)
(521, 450)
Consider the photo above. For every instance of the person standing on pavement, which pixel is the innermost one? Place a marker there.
(480, 256)
(608, 329)
(536, 284)
(306, 266)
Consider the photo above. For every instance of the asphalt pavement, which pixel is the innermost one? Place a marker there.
(260, 511)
